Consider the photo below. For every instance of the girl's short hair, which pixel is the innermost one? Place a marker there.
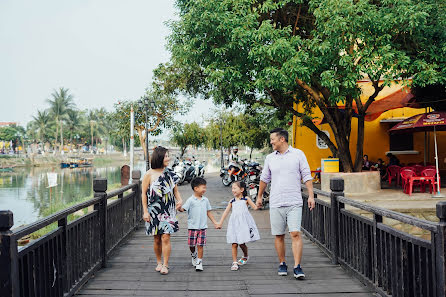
(157, 160)
(242, 185)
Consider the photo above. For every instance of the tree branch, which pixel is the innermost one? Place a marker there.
(297, 19)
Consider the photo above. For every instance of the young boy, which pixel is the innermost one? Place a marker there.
(198, 209)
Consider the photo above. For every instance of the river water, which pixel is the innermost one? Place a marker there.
(25, 190)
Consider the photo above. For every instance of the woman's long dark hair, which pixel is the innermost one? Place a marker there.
(242, 185)
(157, 160)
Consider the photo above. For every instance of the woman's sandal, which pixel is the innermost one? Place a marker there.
(234, 266)
(164, 270)
(243, 260)
(158, 267)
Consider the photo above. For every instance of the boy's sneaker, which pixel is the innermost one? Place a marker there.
(283, 269)
(194, 258)
(199, 266)
(298, 272)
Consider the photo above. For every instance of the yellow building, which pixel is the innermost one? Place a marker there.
(409, 148)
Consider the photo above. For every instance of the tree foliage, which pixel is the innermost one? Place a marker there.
(285, 52)
(189, 134)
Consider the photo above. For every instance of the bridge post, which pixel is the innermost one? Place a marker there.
(9, 267)
(136, 179)
(100, 189)
(440, 250)
(337, 189)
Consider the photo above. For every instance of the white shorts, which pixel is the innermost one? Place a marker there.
(281, 217)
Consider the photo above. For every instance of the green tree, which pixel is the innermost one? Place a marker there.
(189, 134)
(75, 122)
(162, 115)
(286, 52)
(13, 133)
(42, 123)
(60, 104)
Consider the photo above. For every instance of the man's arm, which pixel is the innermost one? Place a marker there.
(265, 178)
(262, 186)
(311, 202)
(307, 179)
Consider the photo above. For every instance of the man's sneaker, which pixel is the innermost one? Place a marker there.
(199, 266)
(194, 258)
(283, 269)
(299, 273)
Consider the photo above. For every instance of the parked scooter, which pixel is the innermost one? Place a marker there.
(189, 171)
(179, 170)
(253, 190)
(248, 170)
(199, 168)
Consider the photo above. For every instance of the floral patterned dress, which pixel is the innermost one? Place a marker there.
(161, 205)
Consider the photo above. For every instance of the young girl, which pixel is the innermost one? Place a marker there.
(241, 225)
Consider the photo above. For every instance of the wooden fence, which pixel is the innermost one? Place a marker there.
(390, 261)
(61, 261)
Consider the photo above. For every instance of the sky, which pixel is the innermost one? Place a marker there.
(104, 51)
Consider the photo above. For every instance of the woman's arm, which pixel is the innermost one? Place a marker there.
(253, 206)
(225, 214)
(177, 194)
(145, 188)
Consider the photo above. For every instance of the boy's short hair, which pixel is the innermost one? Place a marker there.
(198, 181)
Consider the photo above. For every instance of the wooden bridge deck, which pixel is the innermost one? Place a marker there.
(130, 270)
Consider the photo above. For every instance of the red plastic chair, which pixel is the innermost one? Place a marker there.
(408, 168)
(408, 184)
(393, 172)
(418, 169)
(431, 172)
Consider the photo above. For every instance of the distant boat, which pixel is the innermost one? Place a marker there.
(65, 165)
(77, 162)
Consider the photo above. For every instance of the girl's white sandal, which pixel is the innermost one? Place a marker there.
(243, 260)
(234, 266)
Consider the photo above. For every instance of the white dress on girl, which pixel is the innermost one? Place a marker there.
(241, 226)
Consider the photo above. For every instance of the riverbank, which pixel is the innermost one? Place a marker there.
(56, 159)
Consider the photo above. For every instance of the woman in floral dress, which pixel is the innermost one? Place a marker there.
(160, 199)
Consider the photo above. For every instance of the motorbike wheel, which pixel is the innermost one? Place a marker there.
(226, 180)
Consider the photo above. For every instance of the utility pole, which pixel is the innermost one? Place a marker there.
(221, 145)
(132, 141)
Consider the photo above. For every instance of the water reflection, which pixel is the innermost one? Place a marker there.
(25, 191)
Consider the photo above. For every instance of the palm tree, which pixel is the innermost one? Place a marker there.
(61, 103)
(74, 122)
(43, 123)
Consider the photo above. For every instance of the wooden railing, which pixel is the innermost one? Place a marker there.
(390, 261)
(61, 261)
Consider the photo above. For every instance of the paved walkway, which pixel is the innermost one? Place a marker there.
(131, 269)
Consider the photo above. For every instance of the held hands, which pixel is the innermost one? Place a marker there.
(217, 225)
(311, 203)
(259, 202)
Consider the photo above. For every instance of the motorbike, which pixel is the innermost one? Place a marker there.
(199, 168)
(179, 169)
(247, 171)
(237, 174)
(253, 190)
(189, 171)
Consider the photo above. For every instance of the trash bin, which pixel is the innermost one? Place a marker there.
(330, 165)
